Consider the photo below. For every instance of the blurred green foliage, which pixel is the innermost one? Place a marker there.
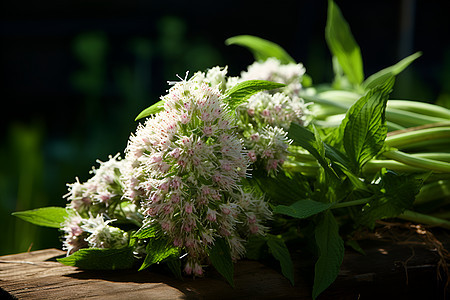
(36, 165)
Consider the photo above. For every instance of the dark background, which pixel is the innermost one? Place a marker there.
(74, 74)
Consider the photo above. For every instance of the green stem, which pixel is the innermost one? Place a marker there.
(416, 136)
(298, 167)
(432, 191)
(351, 203)
(416, 217)
(410, 119)
(420, 107)
(419, 162)
(376, 165)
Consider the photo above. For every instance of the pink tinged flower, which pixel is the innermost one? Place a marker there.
(155, 197)
(217, 177)
(190, 242)
(252, 155)
(168, 209)
(188, 268)
(251, 219)
(185, 119)
(164, 167)
(202, 200)
(151, 211)
(226, 166)
(251, 112)
(272, 164)
(211, 215)
(208, 130)
(207, 238)
(175, 153)
(223, 124)
(198, 270)
(226, 210)
(156, 158)
(265, 113)
(177, 242)
(105, 196)
(206, 190)
(175, 198)
(165, 226)
(254, 228)
(188, 208)
(176, 182)
(164, 186)
(225, 232)
(75, 230)
(267, 153)
(255, 137)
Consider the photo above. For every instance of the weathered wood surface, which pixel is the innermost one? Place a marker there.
(388, 270)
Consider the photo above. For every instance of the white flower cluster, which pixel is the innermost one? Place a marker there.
(100, 191)
(92, 204)
(272, 70)
(92, 232)
(185, 167)
(265, 118)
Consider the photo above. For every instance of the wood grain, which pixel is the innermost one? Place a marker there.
(388, 270)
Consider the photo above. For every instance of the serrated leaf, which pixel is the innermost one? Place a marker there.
(146, 232)
(174, 264)
(381, 76)
(153, 109)
(261, 49)
(100, 259)
(239, 93)
(302, 209)
(157, 251)
(364, 126)
(220, 257)
(311, 142)
(281, 253)
(281, 189)
(331, 253)
(45, 216)
(342, 44)
(394, 194)
(254, 246)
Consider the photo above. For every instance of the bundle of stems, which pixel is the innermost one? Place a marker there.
(418, 141)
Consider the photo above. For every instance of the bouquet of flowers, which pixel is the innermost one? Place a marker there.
(229, 167)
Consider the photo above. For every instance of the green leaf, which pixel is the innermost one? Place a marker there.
(342, 45)
(46, 216)
(394, 194)
(157, 250)
(281, 253)
(255, 246)
(355, 246)
(364, 126)
(146, 232)
(261, 48)
(302, 209)
(174, 264)
(220, 257)
(311, 142)
(239, 93)
(331, 253)
(381, 76)
(281, 189)
(155, 108)
(100, 259)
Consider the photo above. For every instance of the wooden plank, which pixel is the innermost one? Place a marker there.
(389, 269)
